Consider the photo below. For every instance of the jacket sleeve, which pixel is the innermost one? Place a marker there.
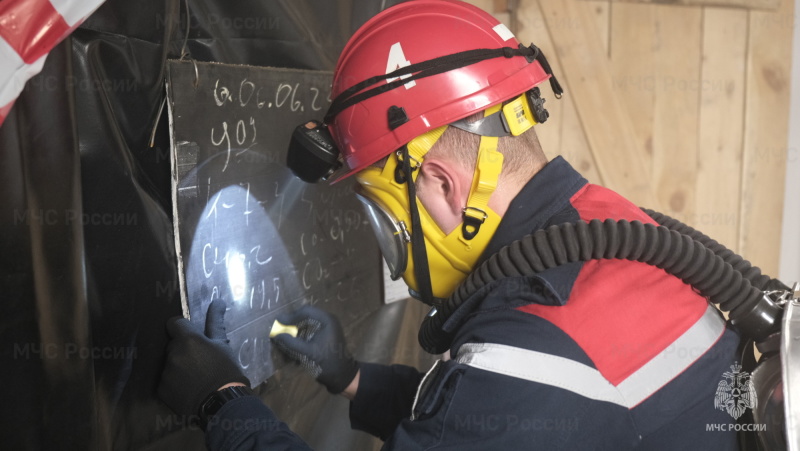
(247, 424)
(385, 397)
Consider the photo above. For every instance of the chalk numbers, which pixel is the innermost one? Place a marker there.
(288, 96)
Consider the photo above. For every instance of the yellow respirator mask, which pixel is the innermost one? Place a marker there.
(451, 256)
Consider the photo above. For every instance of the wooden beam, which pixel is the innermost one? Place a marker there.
(719, 162)
(575, 147)
(766, 134)
(771, 5)
(486, 5)
(563, 133)
(633, 67)
(608, 128)
(676, 115)
(497, 8)
(533, 29)
(601, 12)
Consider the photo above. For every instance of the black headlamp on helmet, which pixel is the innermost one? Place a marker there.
(313, 155)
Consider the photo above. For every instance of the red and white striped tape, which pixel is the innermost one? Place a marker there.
(29, 29)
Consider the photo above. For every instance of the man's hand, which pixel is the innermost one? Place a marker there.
(198, 364)
(320, 347)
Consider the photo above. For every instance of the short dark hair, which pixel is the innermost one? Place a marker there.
(522, 155)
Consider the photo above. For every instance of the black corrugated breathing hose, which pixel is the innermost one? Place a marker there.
(679, 254)
(749, 272)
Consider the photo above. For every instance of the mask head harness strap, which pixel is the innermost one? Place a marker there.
(484, 181)
(418, 249)
(511, 118)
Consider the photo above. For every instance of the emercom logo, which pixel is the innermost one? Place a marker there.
(735, 392)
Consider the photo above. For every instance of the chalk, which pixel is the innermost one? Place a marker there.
(279, 328)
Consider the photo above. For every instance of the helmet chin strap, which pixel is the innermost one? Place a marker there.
(418, 250)
(488, 165)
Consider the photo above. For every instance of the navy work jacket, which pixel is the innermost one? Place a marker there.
(602, 355)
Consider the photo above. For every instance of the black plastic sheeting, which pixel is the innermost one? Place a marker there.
(88, 267)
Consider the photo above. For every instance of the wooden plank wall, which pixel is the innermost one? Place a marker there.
(683, 107)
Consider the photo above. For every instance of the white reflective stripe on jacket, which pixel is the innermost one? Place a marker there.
(586, 381)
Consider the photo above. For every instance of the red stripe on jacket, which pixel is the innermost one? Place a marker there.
(621, 313)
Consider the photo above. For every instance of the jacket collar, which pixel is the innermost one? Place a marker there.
(546, 194)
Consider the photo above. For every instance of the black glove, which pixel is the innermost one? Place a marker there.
(319, 346)
(197, 364)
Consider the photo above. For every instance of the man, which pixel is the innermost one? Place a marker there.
(604, 354)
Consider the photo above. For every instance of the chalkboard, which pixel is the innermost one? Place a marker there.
(247, 231)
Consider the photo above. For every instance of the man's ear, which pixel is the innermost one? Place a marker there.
(443, 188)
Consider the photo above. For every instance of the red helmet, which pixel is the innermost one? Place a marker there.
(415, 32)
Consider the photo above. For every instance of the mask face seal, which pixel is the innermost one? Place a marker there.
(392, 234)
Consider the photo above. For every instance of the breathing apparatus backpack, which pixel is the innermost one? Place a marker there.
(765, 311)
